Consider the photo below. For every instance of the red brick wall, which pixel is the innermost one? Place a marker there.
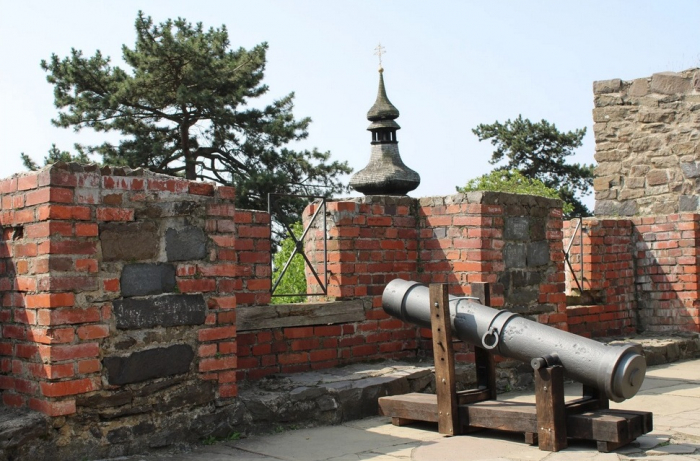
(667, 272)
(608, 274)
(642, 271)
(56, 291)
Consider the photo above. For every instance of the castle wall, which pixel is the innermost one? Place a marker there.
(647, 145)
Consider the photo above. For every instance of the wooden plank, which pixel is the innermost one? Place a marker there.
(551, 415)
(414, 406)
(505, 416)
(473, 395)
(599, 426)
(582, 405)
(531, 438)
(646, 418)
(485, 365)
(594, 393)
(304, 314)
(445, 380)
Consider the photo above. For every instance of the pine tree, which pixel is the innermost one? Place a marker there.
(539, 151)
(182, 109)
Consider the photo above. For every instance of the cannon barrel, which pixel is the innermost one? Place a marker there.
(616, 370)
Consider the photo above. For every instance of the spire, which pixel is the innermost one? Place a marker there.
(386, 173)
(383, 108)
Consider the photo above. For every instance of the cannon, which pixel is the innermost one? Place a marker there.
(616, 370)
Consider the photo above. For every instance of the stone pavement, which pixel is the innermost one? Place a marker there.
(671, 392)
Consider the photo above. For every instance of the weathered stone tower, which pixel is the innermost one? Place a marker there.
(386, 173)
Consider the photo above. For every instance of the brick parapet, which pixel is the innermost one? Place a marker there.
(642, 272)
(61, 277)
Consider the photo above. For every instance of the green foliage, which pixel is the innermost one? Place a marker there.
(183, 109)
(294, 279)
(55, 155)
(514, 182)
(539, 151)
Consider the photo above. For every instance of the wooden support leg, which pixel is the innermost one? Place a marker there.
(445, 380)
(597, 395)
(551, 415)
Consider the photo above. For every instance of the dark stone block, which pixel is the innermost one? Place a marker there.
(514, 255)
(199, 394)
(517, 228)
(538, 229)
(522, 297)
(143, 428)
(168, 209)
(185, 244)
(688, 203)
(163, 310)
(147, 279)
(105, 401)
(149, 364)
(120, 435)
(538, 254)
(134, 241)
(523, 279)
(125, 343)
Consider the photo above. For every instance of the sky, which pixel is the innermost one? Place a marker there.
(449, 66)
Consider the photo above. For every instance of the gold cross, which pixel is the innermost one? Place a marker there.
(379, 52)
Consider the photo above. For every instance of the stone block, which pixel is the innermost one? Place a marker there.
(517, 228)
(164, 310)
(688, 203)
(690, 170)
(149, 364)
(639, 88)
(607, 86)
(657, 177)
(521, 297)
(524, 279)
(628, 208)
(147, 279)
(135, 241)
(670, 83)
(537, 254)
(538, 229)
(656, 116)
(514, 255)
(629, 194)
(185, 244)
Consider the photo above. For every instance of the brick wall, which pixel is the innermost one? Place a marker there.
(642, 273)
(511, 241)
(118, 290)
(608, 277)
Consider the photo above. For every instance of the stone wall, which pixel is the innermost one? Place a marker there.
(647, 145)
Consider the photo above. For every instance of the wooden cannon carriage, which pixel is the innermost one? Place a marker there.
(548, 422)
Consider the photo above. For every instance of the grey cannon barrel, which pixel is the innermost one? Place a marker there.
(617, 370)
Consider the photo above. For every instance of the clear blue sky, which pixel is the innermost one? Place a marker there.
(449, 65)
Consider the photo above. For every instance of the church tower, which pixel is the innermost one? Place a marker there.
(386, 173)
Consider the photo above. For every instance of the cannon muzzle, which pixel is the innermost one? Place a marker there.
(616, 370)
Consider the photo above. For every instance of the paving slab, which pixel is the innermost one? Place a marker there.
(323, 443)
(670, 394)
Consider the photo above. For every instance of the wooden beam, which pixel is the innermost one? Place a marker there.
(296, 315)
(445, 380)
(551, 415)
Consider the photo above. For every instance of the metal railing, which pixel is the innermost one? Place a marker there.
(567, 251)
(299, 245)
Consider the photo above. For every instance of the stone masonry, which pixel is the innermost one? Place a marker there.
(647, 145)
